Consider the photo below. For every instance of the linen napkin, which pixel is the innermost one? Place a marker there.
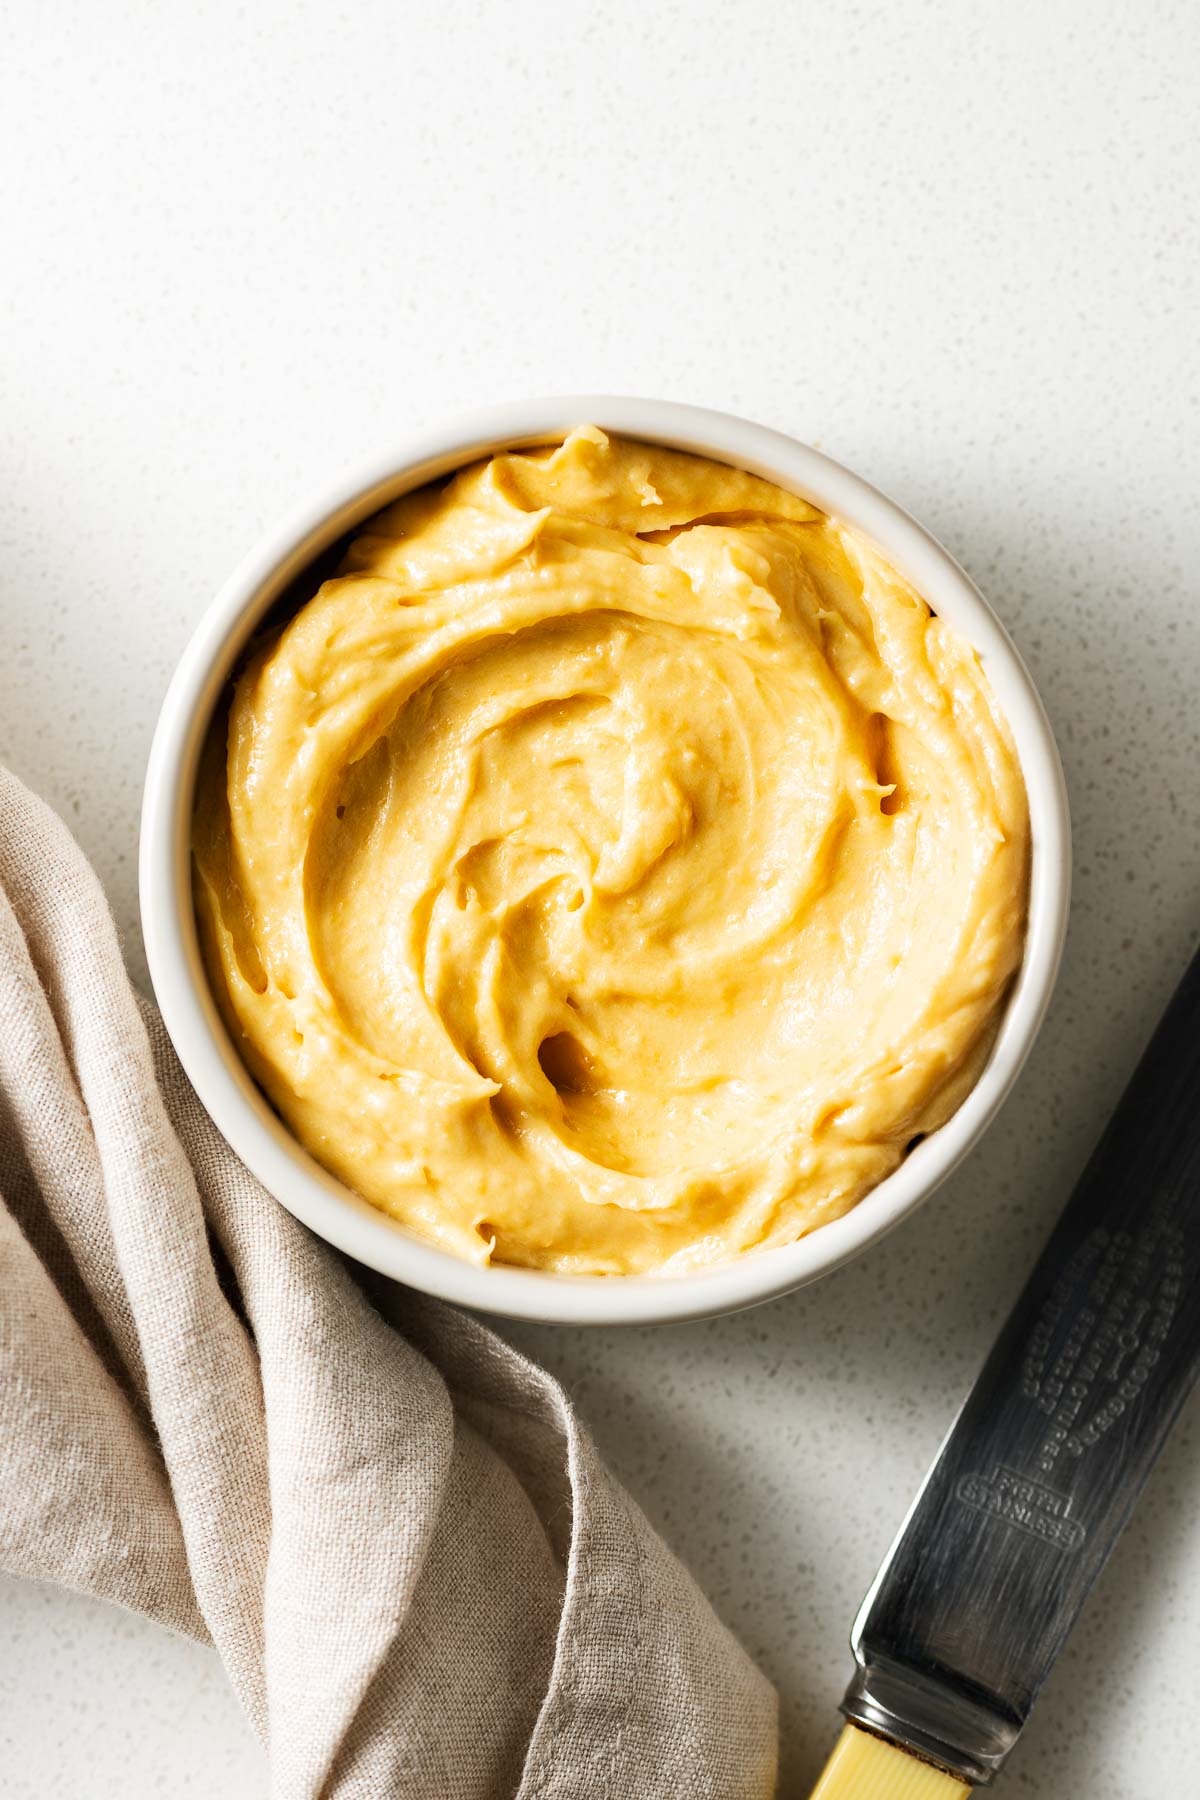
(420, 1576)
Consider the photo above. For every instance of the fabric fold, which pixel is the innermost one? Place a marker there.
(419, 1575)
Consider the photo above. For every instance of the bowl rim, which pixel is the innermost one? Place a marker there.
(189, 1012)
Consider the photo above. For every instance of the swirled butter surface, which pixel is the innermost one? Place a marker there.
(615, 866)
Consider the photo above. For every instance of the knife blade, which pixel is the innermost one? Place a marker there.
(1038, 1474)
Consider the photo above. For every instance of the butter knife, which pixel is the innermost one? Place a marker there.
(1041, 1469)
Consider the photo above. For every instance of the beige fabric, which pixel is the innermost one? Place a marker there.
(420, 1577)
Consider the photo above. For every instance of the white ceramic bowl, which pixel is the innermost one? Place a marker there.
(191, 1018)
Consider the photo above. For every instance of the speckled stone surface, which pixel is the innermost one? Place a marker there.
(954, 245)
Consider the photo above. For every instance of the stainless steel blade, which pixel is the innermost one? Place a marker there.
(1038, 1474)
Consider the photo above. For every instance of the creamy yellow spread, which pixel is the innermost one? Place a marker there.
(615, 866)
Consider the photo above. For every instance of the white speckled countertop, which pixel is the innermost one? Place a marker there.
(956, 246)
